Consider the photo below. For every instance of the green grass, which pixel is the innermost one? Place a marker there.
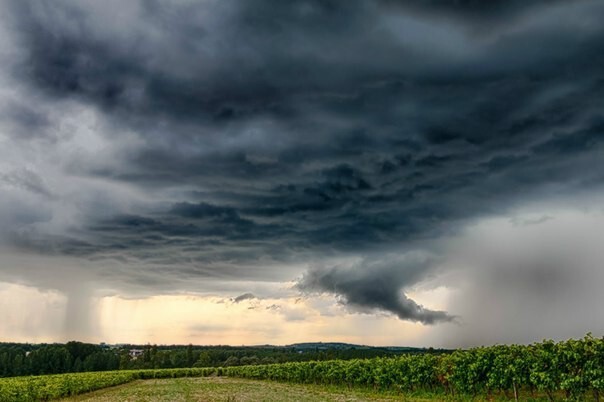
(228, 390)
(225, 389)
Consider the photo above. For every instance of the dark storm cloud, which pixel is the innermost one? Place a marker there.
(495, 10)
(264, 60)
(377, 285)
(245, 296)
(27, 121)
(269, 133)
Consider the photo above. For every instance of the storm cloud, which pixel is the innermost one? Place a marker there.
(172, 145)
(368, 285)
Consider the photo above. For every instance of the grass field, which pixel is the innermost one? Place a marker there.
(226, 390)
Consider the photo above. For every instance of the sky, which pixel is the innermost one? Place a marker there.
(386, 172)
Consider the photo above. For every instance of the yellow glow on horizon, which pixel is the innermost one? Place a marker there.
(36, 316)
(212, 320)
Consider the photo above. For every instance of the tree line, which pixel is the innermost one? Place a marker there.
(18, 359)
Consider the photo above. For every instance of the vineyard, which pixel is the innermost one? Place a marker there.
(47, 387)
(571, 369)
(574, 368)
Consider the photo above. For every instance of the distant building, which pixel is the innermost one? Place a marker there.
(135, 353)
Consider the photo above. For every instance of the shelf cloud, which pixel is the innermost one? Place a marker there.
(206, 146)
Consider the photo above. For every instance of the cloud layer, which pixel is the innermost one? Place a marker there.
(377, 285)
(174, 145)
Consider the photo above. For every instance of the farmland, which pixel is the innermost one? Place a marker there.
(570, 370)
(227, 389)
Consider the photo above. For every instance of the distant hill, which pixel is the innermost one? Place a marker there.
(318, 346)
(327, 346)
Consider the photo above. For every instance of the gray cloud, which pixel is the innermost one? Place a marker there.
(27, 180)
(525, 283)
(27, 122)
(284, 134)
(245, 296)
(377, 285)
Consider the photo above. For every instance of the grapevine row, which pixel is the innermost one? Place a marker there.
(48, 387)
(572, 368)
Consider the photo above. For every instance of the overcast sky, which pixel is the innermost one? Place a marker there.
(421, 172)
